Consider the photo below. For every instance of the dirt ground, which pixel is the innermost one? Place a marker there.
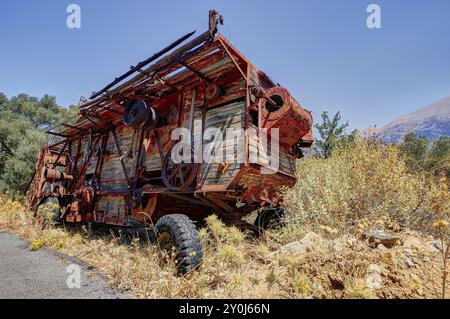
(358, 267)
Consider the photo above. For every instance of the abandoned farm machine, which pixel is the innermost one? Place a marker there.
(119, 164)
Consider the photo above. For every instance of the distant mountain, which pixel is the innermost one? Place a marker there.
(432, 122)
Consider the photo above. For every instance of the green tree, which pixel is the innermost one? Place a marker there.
(19, 168)
(439, 155)
(3, 99)
(415, 148)
(23, 121)
(433, 156)
(40, 112)
(332, 134)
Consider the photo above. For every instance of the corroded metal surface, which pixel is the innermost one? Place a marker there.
(116, 169)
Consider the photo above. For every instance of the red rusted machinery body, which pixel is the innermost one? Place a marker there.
(113, 164)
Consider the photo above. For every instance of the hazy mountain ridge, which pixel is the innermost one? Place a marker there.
(432, 122)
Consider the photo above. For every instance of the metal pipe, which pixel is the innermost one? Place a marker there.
(52, 175)
(141, 64)
(187, 199)
(197, 73)
(160, 64)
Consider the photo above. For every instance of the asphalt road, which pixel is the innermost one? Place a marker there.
(44, 273)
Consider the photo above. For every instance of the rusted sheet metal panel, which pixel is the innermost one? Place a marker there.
(111, 210)
(112, 168)
(210, 67)
(233, 87)
(292, 121)
(231, 116)
(153, 162)
(124, 136)
(250, 178)
(118, 186)
(228, 116)
(221, 66)
(259, 78)
(260, 153)
(84, 152)
(213, 174)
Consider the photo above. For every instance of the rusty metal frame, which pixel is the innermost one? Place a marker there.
(60, 154)
(187, 68)
(196, 72)
(74, 127)
(100, 160)
(225, 47)
(119, 151)
(81, 174)
(140, 65)
(57, 134)
(161, 63)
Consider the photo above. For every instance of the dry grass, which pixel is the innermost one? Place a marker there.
(357, 189)
(228, 269)
(367, 182)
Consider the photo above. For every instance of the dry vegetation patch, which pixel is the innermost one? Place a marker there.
(324, 250)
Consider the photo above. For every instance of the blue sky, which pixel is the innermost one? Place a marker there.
(322, 51)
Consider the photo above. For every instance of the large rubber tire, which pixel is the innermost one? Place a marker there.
(185, 239)
(270, 218)
(54, 213)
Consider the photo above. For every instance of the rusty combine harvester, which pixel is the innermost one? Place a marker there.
(115, 165)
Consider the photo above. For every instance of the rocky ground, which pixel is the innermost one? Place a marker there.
(361, 261)
(403, 264)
